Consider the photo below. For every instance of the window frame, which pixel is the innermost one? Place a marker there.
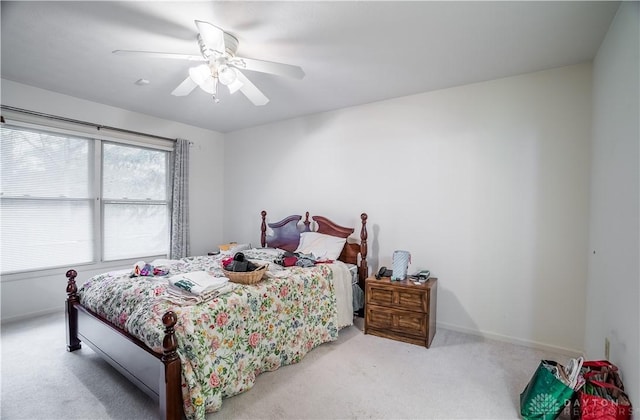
(98, 136)
(104, 202)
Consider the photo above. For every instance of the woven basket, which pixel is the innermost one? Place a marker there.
(246, 277)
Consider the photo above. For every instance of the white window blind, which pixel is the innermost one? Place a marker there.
(135, 200)
(46, 200)
(67, 200)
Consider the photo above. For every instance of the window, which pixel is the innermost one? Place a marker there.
(135, 206)
(67, 200)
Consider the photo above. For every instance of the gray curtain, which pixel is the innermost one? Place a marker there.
(180, 201)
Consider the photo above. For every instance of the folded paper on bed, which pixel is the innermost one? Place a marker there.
(183, 298)
(198, 282)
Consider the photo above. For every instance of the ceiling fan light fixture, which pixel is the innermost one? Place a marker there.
(210, 86)
(200, 74)
(235, 86)
(218, 50)
(227, 75)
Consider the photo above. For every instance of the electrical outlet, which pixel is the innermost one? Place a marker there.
(607, 348)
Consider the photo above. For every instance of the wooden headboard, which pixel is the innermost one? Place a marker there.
(286, 235)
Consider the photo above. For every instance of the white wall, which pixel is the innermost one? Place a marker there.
(22, 297)
(486, 185)
(613, 293)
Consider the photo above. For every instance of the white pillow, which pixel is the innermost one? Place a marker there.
(272, 252)
(323, 247)
(239, 248)
(271, 266)
(235, 248)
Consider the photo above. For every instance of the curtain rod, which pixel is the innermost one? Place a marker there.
(71, 120)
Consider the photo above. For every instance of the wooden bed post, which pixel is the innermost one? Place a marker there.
(363, 272)
(171, 381)
(263, 229)
(306, 223)
(71, 313)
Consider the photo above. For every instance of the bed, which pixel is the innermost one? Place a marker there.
(190, 356)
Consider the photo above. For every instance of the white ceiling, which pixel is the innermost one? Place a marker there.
(352, 52)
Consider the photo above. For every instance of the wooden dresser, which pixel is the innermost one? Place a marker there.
(401, 310)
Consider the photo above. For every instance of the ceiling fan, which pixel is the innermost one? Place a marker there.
(221, 66)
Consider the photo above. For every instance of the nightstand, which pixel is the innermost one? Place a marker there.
(401, 310)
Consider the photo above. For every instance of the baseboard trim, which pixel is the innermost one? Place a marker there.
(512, 340)
(31, 315)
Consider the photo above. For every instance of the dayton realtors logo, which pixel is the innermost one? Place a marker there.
(544, 404)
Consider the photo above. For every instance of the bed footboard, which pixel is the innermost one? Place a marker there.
(158, 375)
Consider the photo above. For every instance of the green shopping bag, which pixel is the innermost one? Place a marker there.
(545, 395)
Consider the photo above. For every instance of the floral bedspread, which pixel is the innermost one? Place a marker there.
(226, 342)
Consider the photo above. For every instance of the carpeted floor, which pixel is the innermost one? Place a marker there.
(359, 376)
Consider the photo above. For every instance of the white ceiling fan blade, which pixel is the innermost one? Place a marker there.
(251, 91)
(212, 36)
(279, 69)
(153, 54)
(185, 88)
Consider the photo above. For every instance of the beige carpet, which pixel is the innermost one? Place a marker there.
(359, 376)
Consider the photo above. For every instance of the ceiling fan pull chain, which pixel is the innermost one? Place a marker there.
(215, 91)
